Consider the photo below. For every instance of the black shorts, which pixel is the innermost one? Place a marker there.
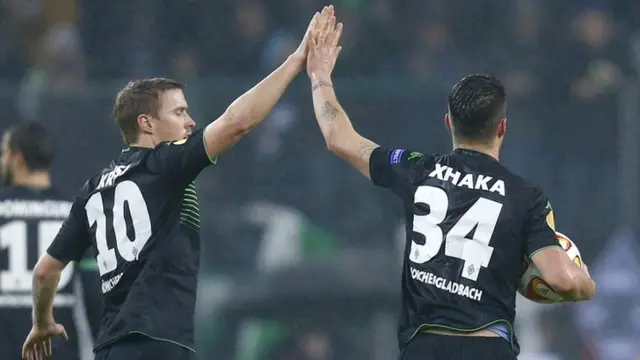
(139, 347)
(439, 347)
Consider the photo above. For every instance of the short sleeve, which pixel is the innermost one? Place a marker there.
(395, 169)
(72, 240)
(185, 158)
(540, 225)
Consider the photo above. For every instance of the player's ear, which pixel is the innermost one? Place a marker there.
(447, 121)
(145, 124)
(502, 127)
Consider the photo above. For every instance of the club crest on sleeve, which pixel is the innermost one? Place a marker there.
(396, 156)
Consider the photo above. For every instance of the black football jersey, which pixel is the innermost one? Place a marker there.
(470, 224)
(143, 217)
(29, 221)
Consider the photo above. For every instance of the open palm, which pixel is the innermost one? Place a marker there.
(38, 343)
(324, 49)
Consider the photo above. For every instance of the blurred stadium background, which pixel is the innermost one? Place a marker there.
(301, 255)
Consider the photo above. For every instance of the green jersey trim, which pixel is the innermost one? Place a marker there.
(161, 339)
(112, 341)
(425, 327)
(190, 208)
(213, 159)
(88, 264)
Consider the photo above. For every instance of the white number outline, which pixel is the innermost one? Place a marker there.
(126, 191)
(14, 238)
(476, 252)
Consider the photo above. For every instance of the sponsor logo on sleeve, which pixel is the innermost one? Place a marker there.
(396, 156)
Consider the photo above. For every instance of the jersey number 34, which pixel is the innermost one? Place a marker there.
(475, 251)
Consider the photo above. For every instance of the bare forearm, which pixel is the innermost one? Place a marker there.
(254, 105)
(332, 119)
(338, 132)
(44, 291)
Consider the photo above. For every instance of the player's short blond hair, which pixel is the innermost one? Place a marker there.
(137, 98)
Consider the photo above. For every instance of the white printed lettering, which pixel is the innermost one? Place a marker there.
(446, 285)
(109, 178)
(453, 175)
(439, 171)
(470, 181)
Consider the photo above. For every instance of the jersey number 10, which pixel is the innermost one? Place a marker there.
(129, 192)
(475, 252)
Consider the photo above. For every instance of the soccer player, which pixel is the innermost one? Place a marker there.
(470, 222)
(142, 214)
(31, 212)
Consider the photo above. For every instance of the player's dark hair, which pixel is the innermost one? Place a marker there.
(137, 98)
(34, 143)
(477, 104)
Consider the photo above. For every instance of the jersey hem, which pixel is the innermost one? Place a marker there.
(424, 327)
(118, 338)
(57, 257)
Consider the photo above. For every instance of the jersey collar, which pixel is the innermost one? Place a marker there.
(474, 153)
(134, 148)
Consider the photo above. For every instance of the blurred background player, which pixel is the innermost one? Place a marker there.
(143, 216)
(470, 221)
(31, 213)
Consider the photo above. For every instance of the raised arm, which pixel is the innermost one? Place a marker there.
(338, 132)
(252, 107)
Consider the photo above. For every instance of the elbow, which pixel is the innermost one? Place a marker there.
(46, 270)
(236, 122)
(335, 146)
(335, 139)
(41, 274)
(332, 144)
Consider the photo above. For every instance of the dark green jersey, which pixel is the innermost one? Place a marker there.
(470, 223)
(142, 215)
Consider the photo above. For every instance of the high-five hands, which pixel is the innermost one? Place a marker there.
(323, 45)
(319, 22)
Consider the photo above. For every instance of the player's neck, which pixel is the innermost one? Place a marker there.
(485, 149)
(33, 179)
(145, 141)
